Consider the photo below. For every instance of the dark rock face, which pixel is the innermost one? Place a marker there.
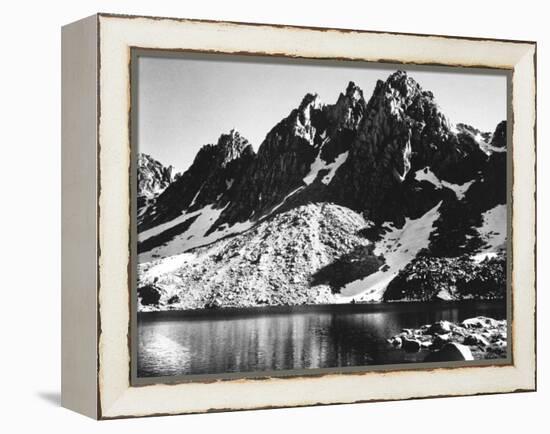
(399, 131)
(282, 161)
(287, 153)
(456, 234)
(498, 139)
(404, 131)
(259, 182)
(348, 267)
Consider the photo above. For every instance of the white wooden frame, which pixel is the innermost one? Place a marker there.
(96, 218)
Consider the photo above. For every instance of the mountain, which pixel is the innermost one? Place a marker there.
(344, 200)
(152, 179)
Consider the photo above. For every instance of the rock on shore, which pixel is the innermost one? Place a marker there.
(475, 338)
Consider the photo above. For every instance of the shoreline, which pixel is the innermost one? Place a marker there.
(314, 308)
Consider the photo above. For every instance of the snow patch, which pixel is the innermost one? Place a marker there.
(493, 230)
(480, 257)
(487, 148)
(399, 247)
(196, 195)
(407, 152)
(155, 230)
(320, 164)
(334, 166)
(426, 174)
(194, 236)
(276, 207)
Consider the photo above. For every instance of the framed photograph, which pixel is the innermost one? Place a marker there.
(262, 216)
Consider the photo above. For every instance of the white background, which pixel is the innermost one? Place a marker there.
(30, 217)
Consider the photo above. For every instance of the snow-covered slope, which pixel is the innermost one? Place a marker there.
(198, 233)
(493, 232)
(398, 247)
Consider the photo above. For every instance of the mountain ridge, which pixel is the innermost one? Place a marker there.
(391, 160)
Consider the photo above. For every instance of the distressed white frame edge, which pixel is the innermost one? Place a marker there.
(117, 398)
(79, 98)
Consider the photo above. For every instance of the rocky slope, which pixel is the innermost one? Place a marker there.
(428, 278)
(270, 264)
(347, 197)
(475, 338)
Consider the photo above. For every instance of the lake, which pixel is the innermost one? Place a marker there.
(268, 339)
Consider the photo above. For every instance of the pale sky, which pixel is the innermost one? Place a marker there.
(188, 101)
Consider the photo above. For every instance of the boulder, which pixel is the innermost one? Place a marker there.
(424, 329)
(440, 340)
(440, 327)
(451, 352)
(475, 339)
(479, 322)
(459, 331)
(149, 295)
(411, 345)
(396, 341)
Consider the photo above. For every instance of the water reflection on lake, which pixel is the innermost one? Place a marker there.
(229, 341)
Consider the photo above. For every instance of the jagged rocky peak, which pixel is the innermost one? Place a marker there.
(476, 133)
(310, 101)
(402, 131)
(153, 177)
(498, 139)
(349, 108)
(302, 117)
(354, 92)
(231, 146)
(403, 83)
(227, 161)
(396, 108)
(403, 97)
(465, 128)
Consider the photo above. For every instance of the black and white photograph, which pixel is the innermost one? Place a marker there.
(295, 215)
